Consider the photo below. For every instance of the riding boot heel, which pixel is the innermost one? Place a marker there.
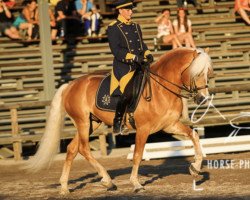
(117, 127)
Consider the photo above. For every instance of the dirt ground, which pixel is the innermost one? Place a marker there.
(224, 176)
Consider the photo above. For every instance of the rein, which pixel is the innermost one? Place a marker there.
(192, 92)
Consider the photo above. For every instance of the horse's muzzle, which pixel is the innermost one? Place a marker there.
(200, 99)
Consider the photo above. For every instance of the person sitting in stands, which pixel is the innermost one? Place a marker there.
(165, 29)
(30, 13)
(243, 8)
(96, 21)
(183, 28)
(64, 10)
(6, 26)
(84, 10)
(10, 3)
(22, 23)
(52, 24)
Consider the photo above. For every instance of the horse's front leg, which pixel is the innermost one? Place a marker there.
(140, 140)
(195, 167)
(181, 129)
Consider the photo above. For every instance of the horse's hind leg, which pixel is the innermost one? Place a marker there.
(72, 150)
(181, 129)
(84, 149)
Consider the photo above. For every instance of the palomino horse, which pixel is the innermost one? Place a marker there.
(175, 70)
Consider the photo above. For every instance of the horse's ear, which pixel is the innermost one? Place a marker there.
(207, 50)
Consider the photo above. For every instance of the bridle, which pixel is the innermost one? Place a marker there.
(192, 89)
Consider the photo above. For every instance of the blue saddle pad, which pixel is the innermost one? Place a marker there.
(103, 99)
(108, 103)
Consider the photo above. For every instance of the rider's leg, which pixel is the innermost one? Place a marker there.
(120, 109)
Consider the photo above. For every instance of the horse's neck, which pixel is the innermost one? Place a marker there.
(174, 61)
(171, 66)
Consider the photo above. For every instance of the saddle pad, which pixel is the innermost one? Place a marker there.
(103, 99)
(108, 103)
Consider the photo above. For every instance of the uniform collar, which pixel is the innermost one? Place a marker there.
(123, 20)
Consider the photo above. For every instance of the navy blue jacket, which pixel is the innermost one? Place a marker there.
(125, 41)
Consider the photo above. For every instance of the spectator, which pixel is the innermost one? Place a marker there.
(183, 28)
(10, 3)
(22, 23)
(96, 21)
(6, 26)
(165, 29)
(64, 10)
(243, 8)
(84, 10)
(30, 13)
(52, 25)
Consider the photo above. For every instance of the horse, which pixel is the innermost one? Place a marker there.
(178, 69)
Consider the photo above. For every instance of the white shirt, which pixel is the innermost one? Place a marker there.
(164, 29)
(182, 27)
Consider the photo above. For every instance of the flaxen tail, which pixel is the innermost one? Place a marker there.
(51, 137)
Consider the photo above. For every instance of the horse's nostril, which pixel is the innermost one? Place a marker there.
(200, 99)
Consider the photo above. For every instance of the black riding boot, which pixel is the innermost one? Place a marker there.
(120, 109)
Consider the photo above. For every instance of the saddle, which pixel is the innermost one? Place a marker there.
(108, 103)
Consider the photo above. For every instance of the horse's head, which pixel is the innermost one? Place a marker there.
(195, 76)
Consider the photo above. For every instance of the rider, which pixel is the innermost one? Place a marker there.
(129, 50)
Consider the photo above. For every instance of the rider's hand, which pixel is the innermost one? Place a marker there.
(150, 58)
(139, 60)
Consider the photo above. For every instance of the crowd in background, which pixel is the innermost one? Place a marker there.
(177, 33)
(66, 15)
(242, 7)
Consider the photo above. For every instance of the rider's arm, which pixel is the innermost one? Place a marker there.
(120, 53)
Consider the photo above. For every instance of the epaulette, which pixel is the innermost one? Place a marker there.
(112, 23)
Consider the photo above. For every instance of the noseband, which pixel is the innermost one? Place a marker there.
(192, 89)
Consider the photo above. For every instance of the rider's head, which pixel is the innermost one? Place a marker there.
(124, 8)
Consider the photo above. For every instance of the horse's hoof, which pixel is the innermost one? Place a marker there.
(109, 185)
(112, 188)
(193, 171)
(139, 189)
(64, 192)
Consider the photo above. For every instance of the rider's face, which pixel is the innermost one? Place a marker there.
(126, 13)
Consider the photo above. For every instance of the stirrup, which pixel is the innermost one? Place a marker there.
(117, 132)
(124, 131)
(121, 131)
(117, 126)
